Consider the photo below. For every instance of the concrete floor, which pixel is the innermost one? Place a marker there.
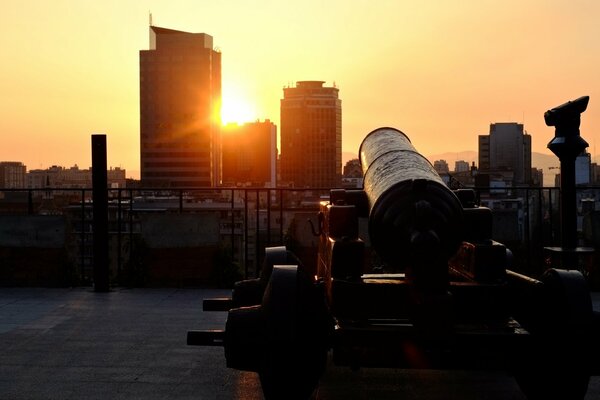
(131, 344)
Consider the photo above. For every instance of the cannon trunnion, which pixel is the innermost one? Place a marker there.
(427, 287)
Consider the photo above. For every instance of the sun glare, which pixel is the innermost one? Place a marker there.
(234, 108)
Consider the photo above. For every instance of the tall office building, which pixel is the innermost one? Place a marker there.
(249, 154)
(506, 151)
(180, 97)
(311, 135)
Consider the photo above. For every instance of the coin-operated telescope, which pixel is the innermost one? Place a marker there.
(567, 144)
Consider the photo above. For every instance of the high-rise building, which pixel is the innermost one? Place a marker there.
(506, 151)
(180, 97)
(12, 175)
(311, 135)
(249, 154)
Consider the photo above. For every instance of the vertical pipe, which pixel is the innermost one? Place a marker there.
(100, 210)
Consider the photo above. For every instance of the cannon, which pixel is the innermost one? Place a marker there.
(425, 287)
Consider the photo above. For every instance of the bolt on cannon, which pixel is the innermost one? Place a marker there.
(440, 293)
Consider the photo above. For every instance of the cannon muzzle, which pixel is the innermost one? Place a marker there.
(413, 215)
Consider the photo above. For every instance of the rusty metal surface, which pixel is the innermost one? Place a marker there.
(398, 182)
(387, 156)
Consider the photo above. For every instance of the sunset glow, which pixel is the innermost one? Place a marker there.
(435, 70)
(235, 108)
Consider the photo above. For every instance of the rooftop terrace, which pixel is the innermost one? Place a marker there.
(131, 344)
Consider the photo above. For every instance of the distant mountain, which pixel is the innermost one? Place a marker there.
(549, 163)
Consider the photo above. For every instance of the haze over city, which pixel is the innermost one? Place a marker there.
(440, 71)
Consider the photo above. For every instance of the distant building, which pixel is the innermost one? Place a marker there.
(583, 164)
(352, 177)
(352, 169)
(249, 154)
(311, 135)
(441, 166)
(537, 177)
(12, 175)
(57, 177)
(595, 173)
(180, 102)
(506, 153)
(461, 166)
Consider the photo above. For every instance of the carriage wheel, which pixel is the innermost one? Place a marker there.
(297, 333)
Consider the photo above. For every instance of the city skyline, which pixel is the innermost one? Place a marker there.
(441, 72)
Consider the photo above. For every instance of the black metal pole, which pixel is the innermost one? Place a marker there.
(100, 210)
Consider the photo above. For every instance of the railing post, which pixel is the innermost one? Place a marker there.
(30, 202)
(257, 241)
(119, 232)
(246, 234)
(269, 217)
(280, 215)
(130, 218)
(82, 246)
(180, 201)
(232, 225)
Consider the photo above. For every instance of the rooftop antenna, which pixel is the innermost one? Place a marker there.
(150, 17)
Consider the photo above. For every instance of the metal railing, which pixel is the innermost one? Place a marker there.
(249, 219)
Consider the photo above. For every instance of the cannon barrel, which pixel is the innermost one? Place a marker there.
(412, 213)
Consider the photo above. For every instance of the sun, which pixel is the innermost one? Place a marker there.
(235, 108)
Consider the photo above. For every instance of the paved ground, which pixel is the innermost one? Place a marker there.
(130, 344)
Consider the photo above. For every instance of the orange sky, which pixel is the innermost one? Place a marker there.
(441, 71)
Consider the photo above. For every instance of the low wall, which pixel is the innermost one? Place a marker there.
(32, 251)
